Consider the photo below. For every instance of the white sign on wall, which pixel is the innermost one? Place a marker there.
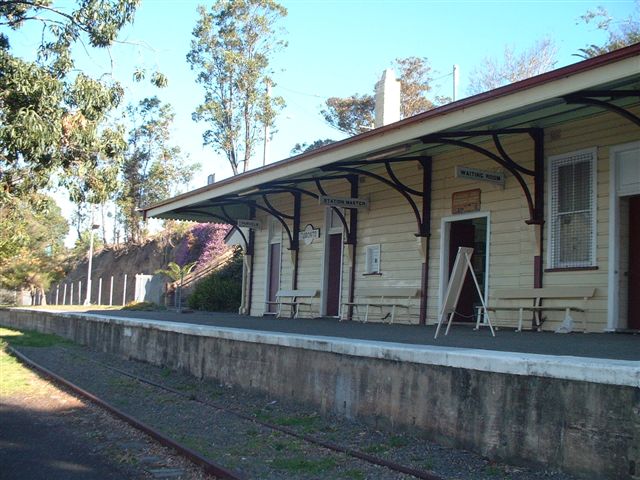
(342, 202)
(309, 234)
(482, 175)
(252, 224)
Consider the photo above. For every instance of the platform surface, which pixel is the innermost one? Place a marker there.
(592, 345)
(605, 358)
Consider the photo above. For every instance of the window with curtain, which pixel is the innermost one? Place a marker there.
(572, 216)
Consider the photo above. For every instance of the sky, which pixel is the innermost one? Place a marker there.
(336, 48)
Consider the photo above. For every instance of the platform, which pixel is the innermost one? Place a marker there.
(566, 401)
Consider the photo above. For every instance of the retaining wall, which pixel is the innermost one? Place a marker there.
(573, 415)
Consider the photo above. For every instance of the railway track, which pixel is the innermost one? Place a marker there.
(208, 465)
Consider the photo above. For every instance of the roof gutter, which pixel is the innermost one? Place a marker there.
(613, 66)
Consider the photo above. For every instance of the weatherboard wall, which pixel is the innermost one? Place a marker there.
(390, 222)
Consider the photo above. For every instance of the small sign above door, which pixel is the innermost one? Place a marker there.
(343, 202)
(309, 234)
(465, 201)
(482, 175)
(252, 224)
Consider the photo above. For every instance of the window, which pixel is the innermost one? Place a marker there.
(572, 204)
(372, 259)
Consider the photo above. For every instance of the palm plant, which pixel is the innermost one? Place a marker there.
(176, 273)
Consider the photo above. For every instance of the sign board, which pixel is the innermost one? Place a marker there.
(343, 202)
(309, 234)
(465, 201)
(482, 175)
(252, 224)
(461, 266)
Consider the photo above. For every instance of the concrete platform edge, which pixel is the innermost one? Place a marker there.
(595, 370)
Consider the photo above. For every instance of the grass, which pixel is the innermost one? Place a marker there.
(377, 448)
(303, 465)
(398, 442)
(29, 338)
(307, 422)
(354, 474)
(14, 377)
(494, 471)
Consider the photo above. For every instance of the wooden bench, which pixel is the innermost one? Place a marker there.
(295, 300)
(536, 297)
(380, 298)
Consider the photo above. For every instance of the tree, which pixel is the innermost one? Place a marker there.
(512, 67)
(351, 115)
(299, 148)
(619, 33)
(51, 117)
(32, 232)
(153, 168)
(230, 51)
(355, 114)
(177, 273)
(415, 84)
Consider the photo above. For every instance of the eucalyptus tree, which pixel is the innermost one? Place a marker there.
(513, 66)
(153, 167)
(32, 233)
(355, 114)
(231, 49)
(51, 116)
(620, 32)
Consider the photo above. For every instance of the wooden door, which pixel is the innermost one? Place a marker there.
(334, 265)
(634, 263)
(462, 234)
(274, 275)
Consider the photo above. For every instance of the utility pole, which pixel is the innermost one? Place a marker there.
(456, 78)
(87, 299)
(265, 151)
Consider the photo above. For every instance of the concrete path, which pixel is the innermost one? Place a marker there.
(595, 345)
(41, 445)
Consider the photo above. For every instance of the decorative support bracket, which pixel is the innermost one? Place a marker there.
(595, 98)
(356, 168)
(535, 201)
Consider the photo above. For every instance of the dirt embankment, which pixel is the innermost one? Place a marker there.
(114, 262)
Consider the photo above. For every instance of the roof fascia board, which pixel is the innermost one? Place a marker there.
(405, 132)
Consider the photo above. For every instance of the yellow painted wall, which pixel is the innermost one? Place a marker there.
(391, 223)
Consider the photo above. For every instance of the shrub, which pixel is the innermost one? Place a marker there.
(221, 291)
(143, 306)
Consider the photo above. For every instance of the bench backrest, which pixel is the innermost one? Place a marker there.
(388, 292)
(545, 292)
(297, 293)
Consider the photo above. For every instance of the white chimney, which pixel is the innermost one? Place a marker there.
(387, 99)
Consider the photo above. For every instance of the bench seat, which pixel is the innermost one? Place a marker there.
(536, 296)
(295, 300)
(379, 299)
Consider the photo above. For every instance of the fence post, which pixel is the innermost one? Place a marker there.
(79, 292)
(57, 293)
(124, 290)
(64, 294)
(71, 295)
(111, 292)
(100, 291)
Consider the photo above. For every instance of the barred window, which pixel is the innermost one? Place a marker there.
(572, 203)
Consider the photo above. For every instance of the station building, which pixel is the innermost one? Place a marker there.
(541, 178)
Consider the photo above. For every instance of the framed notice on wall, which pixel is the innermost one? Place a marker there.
(465, 201)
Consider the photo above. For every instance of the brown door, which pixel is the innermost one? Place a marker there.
(274, 275)
(333, 274)
(634, 263)
(462, 234)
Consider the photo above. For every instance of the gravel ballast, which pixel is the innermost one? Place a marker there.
(254, 450)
